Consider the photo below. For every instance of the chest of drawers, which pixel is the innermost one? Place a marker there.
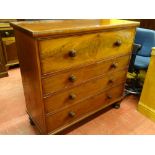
(72, 68)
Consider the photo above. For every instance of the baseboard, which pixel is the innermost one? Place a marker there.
(147, 111)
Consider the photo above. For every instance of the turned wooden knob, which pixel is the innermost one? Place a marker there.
(72, 96)
(109, 96)
(114, 65)
(71, 114)
(72, 78)
(118, 43)
(111, 81)
(72, 53)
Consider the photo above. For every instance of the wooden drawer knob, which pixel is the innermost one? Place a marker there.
(118, 43)
(114, 65)
(72, 96)
(72, 78)
(71, 114)
(109, 96)
(111, 81)
(72, 53)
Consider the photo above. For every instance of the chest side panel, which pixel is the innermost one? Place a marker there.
(30, 71)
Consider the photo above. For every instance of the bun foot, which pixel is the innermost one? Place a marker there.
(116, 105)
(31, 121)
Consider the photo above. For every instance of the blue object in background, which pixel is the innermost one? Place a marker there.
(146, 38)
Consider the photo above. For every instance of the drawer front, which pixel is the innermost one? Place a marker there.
(82, 109)
(81, 92)
(67, 52)
(74, 77)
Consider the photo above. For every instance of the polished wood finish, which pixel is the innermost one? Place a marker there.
(82, 109)
(88, 48)
(52, 83)
(53, 28)
(30, 70)
(72, 68)
(71, 96)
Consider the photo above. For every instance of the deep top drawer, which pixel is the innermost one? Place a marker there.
(67, 52)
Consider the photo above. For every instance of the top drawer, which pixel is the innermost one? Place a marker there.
(63, 53)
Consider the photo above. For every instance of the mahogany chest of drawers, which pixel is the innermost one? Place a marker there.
(72, 68)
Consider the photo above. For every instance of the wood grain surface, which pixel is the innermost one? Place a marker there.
(61, 80)
(54, 53)
(92, 104)
(72, 68)
(71, 96)
(50, 28)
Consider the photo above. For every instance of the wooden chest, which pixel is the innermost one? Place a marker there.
(8, 51)
(72, 68)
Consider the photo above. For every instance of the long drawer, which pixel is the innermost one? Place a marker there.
(74, 77)
(81, 92)
(82, 109)
(61, 53)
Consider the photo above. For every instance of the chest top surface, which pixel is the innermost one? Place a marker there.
(43, 28)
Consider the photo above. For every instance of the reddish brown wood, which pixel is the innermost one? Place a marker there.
(83, 109)
(52, 83)
(72, 69)
(89, 48)
(62, 99)
(30, 71)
